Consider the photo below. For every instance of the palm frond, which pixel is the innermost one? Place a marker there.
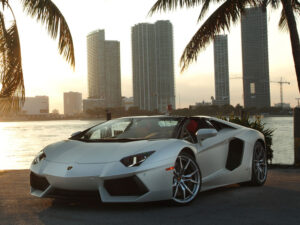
(46, 12)
(205, 7)
(296, 7)
(264, 3)
(283, 22)
(274, 3)
(12, 93)
(164, 5)
(3, 2)
(229, 12)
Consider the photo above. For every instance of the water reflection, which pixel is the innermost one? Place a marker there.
(20, 141)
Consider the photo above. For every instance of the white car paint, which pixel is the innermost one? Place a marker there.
(93, 163)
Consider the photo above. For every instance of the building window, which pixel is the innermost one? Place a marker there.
(252, 88)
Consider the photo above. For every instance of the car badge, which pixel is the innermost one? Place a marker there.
(69, 167)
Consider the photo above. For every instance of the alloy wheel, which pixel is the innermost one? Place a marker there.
(186, 180)
(260, 163)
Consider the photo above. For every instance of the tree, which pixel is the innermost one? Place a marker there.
(12, 90)
(228, 12)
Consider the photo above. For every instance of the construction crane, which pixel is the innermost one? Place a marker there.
(281, 82)
(281, 91)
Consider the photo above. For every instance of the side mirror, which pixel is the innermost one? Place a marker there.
(206, 133)
(76, 133)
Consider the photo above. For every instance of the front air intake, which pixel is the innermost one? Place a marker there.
(38, 182)
(72, 194)
(129, 186)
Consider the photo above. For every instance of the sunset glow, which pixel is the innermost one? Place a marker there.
(46, 73)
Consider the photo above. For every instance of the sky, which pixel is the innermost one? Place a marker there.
(46, 72)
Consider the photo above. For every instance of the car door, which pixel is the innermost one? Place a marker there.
(212, 156)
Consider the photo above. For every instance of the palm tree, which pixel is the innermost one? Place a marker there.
(12, 90)
(228, 12)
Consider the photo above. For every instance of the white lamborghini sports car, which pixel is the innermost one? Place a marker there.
(140, 159)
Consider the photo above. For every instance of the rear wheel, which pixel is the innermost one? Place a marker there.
(186, 180)
(259, 165)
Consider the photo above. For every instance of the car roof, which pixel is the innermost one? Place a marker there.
(168, 116)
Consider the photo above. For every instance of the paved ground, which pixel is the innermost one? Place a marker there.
(278, 202)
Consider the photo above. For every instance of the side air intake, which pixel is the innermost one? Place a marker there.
(235, 154)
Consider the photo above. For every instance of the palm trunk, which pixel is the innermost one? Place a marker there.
(294, 36)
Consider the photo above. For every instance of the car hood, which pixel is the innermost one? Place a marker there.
(72, 151)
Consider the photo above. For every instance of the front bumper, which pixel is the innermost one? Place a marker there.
(112, 181)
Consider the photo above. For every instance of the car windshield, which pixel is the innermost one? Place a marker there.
(130, 129)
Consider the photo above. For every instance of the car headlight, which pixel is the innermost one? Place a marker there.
(136, 160)
(41, 155)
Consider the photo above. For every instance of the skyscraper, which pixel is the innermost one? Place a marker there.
(38, 105)
(72, 103)
(221, 70)
(255, 58)
(104, 73)
(153, 65)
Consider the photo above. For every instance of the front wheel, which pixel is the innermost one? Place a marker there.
(186, 180)
(259, 165)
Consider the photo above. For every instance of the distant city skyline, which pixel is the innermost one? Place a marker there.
(46, 73)
(153, 66)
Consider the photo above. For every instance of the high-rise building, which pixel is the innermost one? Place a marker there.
(38, 105)
(72, 103)
(104, 73)
(92, 104)
(153, 66)
(255, 58)
(222, 96)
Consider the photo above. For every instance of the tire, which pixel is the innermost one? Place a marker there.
(259, 165)
(187, 179)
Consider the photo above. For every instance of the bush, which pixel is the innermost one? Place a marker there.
(257, 124)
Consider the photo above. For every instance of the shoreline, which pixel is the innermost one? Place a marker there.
(97, 118)
(50, 119)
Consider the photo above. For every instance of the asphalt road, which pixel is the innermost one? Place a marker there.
(278, 202)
